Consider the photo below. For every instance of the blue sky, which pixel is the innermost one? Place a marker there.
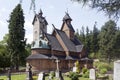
(54, 11)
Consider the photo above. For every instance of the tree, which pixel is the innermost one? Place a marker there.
(16, 42)
(4, 54)
(110, 7)
(107, 40)
(87, 40)
(117, 44)
(82, 35)
(5, 38)
(77, 34)
(95, 39)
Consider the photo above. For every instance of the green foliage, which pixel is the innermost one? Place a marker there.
(107, 40)
(86, 74)
(110, 7)
(82, 35)
(102, 65)
(95, 40)
(103, 70)
(84, 70)
(74, 76)
(4, 56)
(92, 55)
(77, 66)
(88, 40)
(16, 42)
(14, 77)
(104, 77)
(52, 74)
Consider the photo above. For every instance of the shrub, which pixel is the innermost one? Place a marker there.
(103, 77)
(77, 66)
(52, 74)
(86, 74)
(102, 65)
(84, 70)
(73, 76)
(103, 70)
(92, 55)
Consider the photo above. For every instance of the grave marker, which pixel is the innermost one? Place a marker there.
(92, 74)
(117, 70)
(41, 76)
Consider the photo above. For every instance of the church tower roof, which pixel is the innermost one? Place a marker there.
(40, 12)
(67, 17)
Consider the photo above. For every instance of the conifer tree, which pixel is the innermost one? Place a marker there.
(16, 42)
(107, 40)
(87, 40)
(95, 39)
(82, 35)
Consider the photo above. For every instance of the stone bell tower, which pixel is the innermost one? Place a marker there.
(39, 25)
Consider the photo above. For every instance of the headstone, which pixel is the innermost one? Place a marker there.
(57, 74)
(92, 74)
(29, 72)
(41, 76)
(74, 69)
(117, 70)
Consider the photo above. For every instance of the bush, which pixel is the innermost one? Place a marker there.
(77, 66)
(84, 70)
(86, 74)
(52, 74)
(73, 76)
(103, 70)
(102, 65)
(103, 77)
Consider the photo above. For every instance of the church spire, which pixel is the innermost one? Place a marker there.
(67, 17)
(40, 12)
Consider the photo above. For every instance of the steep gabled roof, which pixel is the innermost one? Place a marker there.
(76, 41)
(69, 44)
(69, 26)
(40, 18)
(55, 45)
(67, 17)
(72, 45)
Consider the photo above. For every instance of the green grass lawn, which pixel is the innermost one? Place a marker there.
(14, 77)
(23, 77)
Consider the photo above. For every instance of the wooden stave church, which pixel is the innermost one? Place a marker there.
(61, 45)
